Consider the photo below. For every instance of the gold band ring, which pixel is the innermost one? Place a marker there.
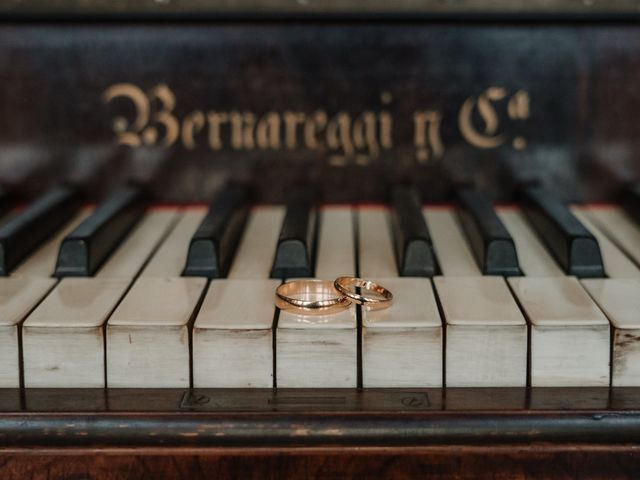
(311, 295)
(347, 286)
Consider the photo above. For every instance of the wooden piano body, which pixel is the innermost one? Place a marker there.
(187, 96)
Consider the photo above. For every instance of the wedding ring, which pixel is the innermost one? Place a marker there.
(347, 286)
(311, 296)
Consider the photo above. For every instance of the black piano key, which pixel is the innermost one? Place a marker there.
(213, 245)
(573, 246)
(84, 250)
(631, 202)
(295, 252)
(412, 240)
(490, 241)
(28, 229)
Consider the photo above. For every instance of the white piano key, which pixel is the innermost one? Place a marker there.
(535, 260)
(18, 296)
(336, 244)
(254, 256)
(63, 339)
(569, 334)
(486, 343)
(169, 260)
(402, 344)
(621, 228)
(620, 300)
(450, 244)
(318, 351)
(377, 258)
(233, 335)
(148, 334)
(616, 263)
(42, 262)
(138, 245)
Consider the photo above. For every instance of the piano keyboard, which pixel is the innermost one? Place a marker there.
(123, 296)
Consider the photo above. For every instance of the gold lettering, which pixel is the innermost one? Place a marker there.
(339, 133)
(216, 120)
(128, 133)
(365, 133)
(386, 130)
(291, 122)
(312, 127)
(236, 122)
(426, 134)
(249, 121)
(192, 124)
(268, 131)
(163, 116)
(484, 104)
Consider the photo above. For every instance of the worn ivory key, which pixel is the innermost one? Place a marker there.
(620, 227)
(535, 260)
(254, 256)
(63, 338)
(486, 343)
(452, 250)
(18, 296)
(569, 333)
(148, 334)
(317, 350)
(619, 299)
(402, 344)
(616, 263)
(376, 248)
(233, 335)
(336, 249)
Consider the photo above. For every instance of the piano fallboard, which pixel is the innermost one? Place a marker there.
(445, 433)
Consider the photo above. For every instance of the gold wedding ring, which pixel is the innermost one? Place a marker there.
(318, 297)
(382, 297)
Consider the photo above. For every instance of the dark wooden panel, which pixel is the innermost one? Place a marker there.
(350, 106)
(451, 462)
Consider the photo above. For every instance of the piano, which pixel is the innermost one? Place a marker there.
(165, 165)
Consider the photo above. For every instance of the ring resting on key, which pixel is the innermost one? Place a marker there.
(318, 297)
(347, 286)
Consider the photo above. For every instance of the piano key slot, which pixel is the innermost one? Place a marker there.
(492, 245)
(412, 240)
(215, 241)
(572, 245)
(28, 229)
(85, 249)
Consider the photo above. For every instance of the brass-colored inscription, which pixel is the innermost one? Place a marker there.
(426, 136)
(152, 117)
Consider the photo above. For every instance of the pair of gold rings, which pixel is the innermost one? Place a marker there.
(323, 297)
